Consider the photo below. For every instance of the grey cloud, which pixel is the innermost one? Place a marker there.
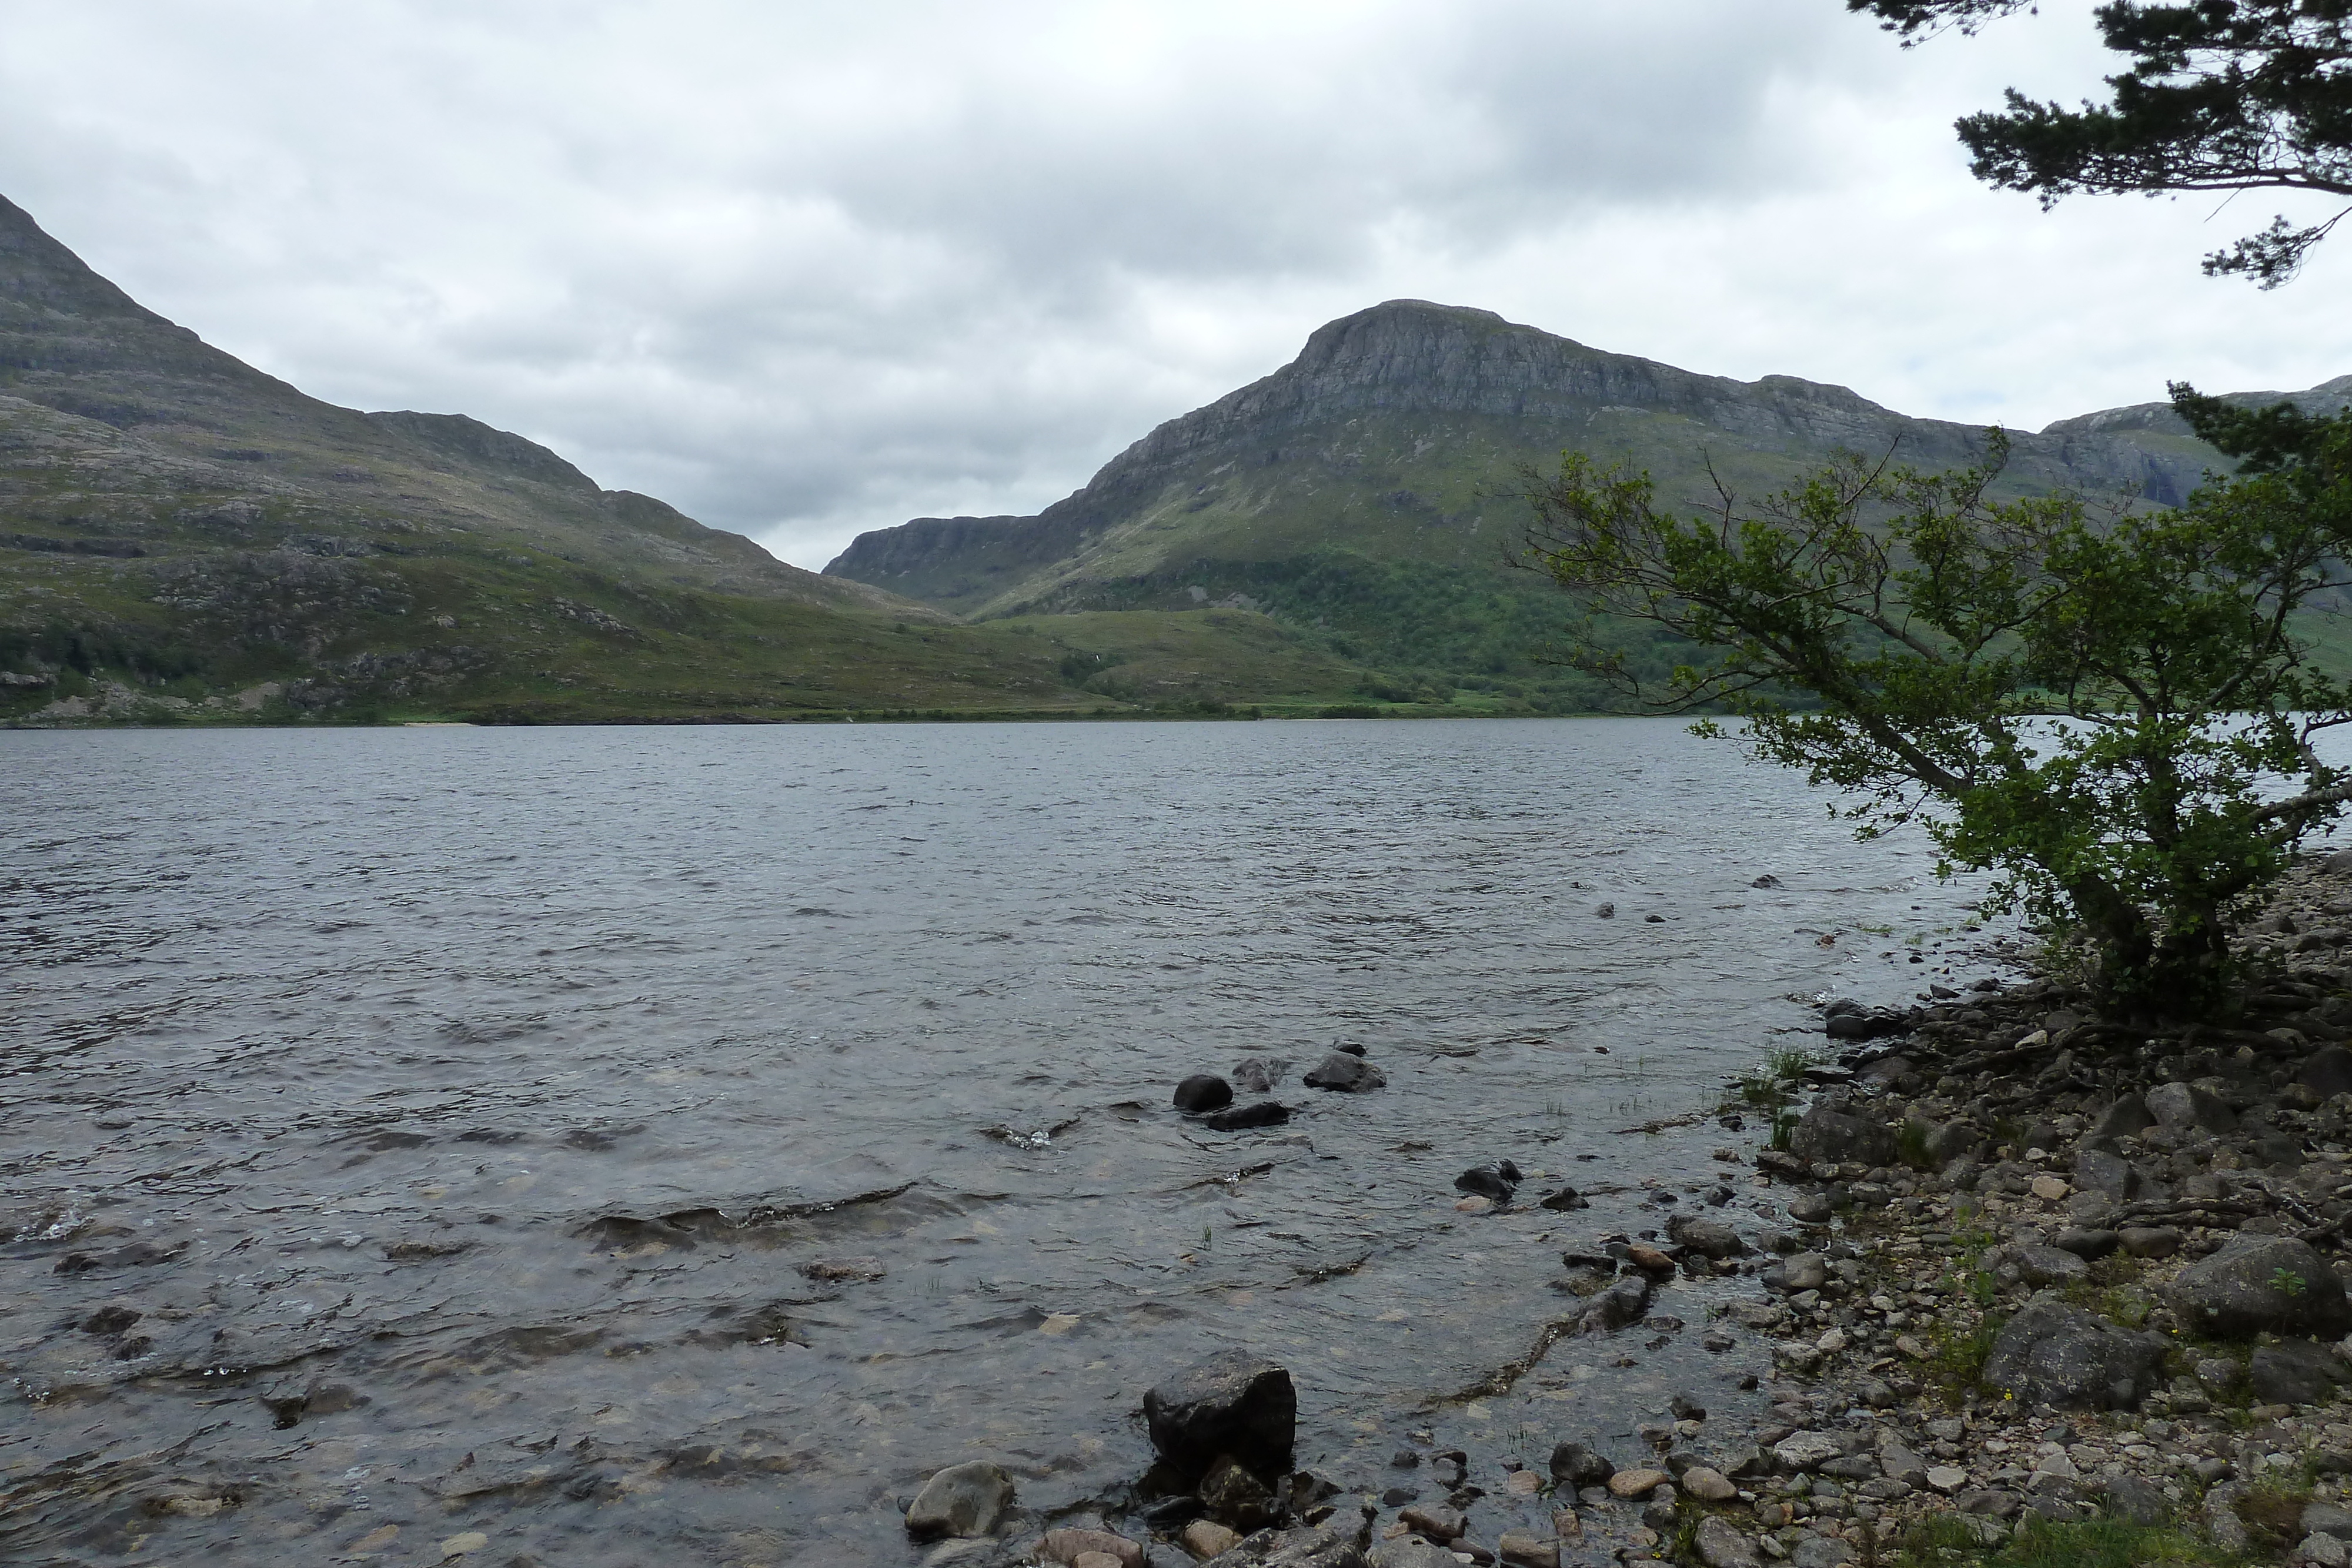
(804, 270)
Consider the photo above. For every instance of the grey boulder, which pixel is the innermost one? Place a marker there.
(2295, 1372)
(2185, 1108)
(2328, 1072)
(2258, 1284)
(1709, 1238)
(1721, 1545)
(2053, 1353)
(1827, 1134)
(964, 1499)
(2126, 1117)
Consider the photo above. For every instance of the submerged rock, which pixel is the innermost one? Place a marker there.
(966, 1499)
(1499, 1181)
(1345, 1074)
(1239, 1118)
(1203, 1091)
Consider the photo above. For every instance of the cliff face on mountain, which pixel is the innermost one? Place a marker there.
(1398, 433)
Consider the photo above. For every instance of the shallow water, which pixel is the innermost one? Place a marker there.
(366, 1065)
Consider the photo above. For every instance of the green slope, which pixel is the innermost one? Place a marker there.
(1365, 492)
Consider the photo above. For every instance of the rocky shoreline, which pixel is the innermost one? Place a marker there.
(2018, 1267)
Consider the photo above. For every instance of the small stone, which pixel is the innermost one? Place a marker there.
(1074, 1546)
(1630, 1484)
(1806, 1271)
(1205, 1538)
(2050, 1188)
(458, 1545)
(1721, 1545)
(1802, 1451)
(1947, 1478)
(2150, 1240)
(1574, 1464)
(1523, 1483)
(1435, 1521)
(1525, 1551)
(1234, 1497)
(1473, 1205)
(1708, 1484)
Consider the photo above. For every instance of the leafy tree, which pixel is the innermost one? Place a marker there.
(2112, 709)
(2221, 95)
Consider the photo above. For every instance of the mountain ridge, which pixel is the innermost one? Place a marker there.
(1414, 374)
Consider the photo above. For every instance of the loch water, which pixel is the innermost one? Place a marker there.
(475, 1121)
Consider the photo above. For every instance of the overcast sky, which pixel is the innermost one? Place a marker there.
(806, 269)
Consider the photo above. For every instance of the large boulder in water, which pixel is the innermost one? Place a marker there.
(1233, 1403)
(2260, 1284)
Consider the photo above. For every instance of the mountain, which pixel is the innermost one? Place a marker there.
(1363, 491)
(184, 537)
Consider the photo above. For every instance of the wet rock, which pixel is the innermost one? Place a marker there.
(1240, 1118)
(2125, 1117)
(1203, 1091)
(1805, 1271)
(2185, 1108)
(844, 1271)
(1259, 1074)
(1409, 1551)
(1604, 911)
(1231, 1404)
(1845, 1018)
(1435, 1521)
(2328, 1072)
(1344, 1074)
(1499, 1181)
(1621, 1303)
(1811, 1209)
(1720, 1545)
(1565, 1199)
(966, 1499)
(2293, 1372)
(1709, 1238)
(1070, 1546)
(1827, 1134)
(1236, 1497)
(1311, 1547)
(1768, 881)
(1574, 1464)
(1523, 1550)
(2260, 1284)
(111, 1319)
(2053, 1353)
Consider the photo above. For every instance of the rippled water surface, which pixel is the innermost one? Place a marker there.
(469, 1117)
